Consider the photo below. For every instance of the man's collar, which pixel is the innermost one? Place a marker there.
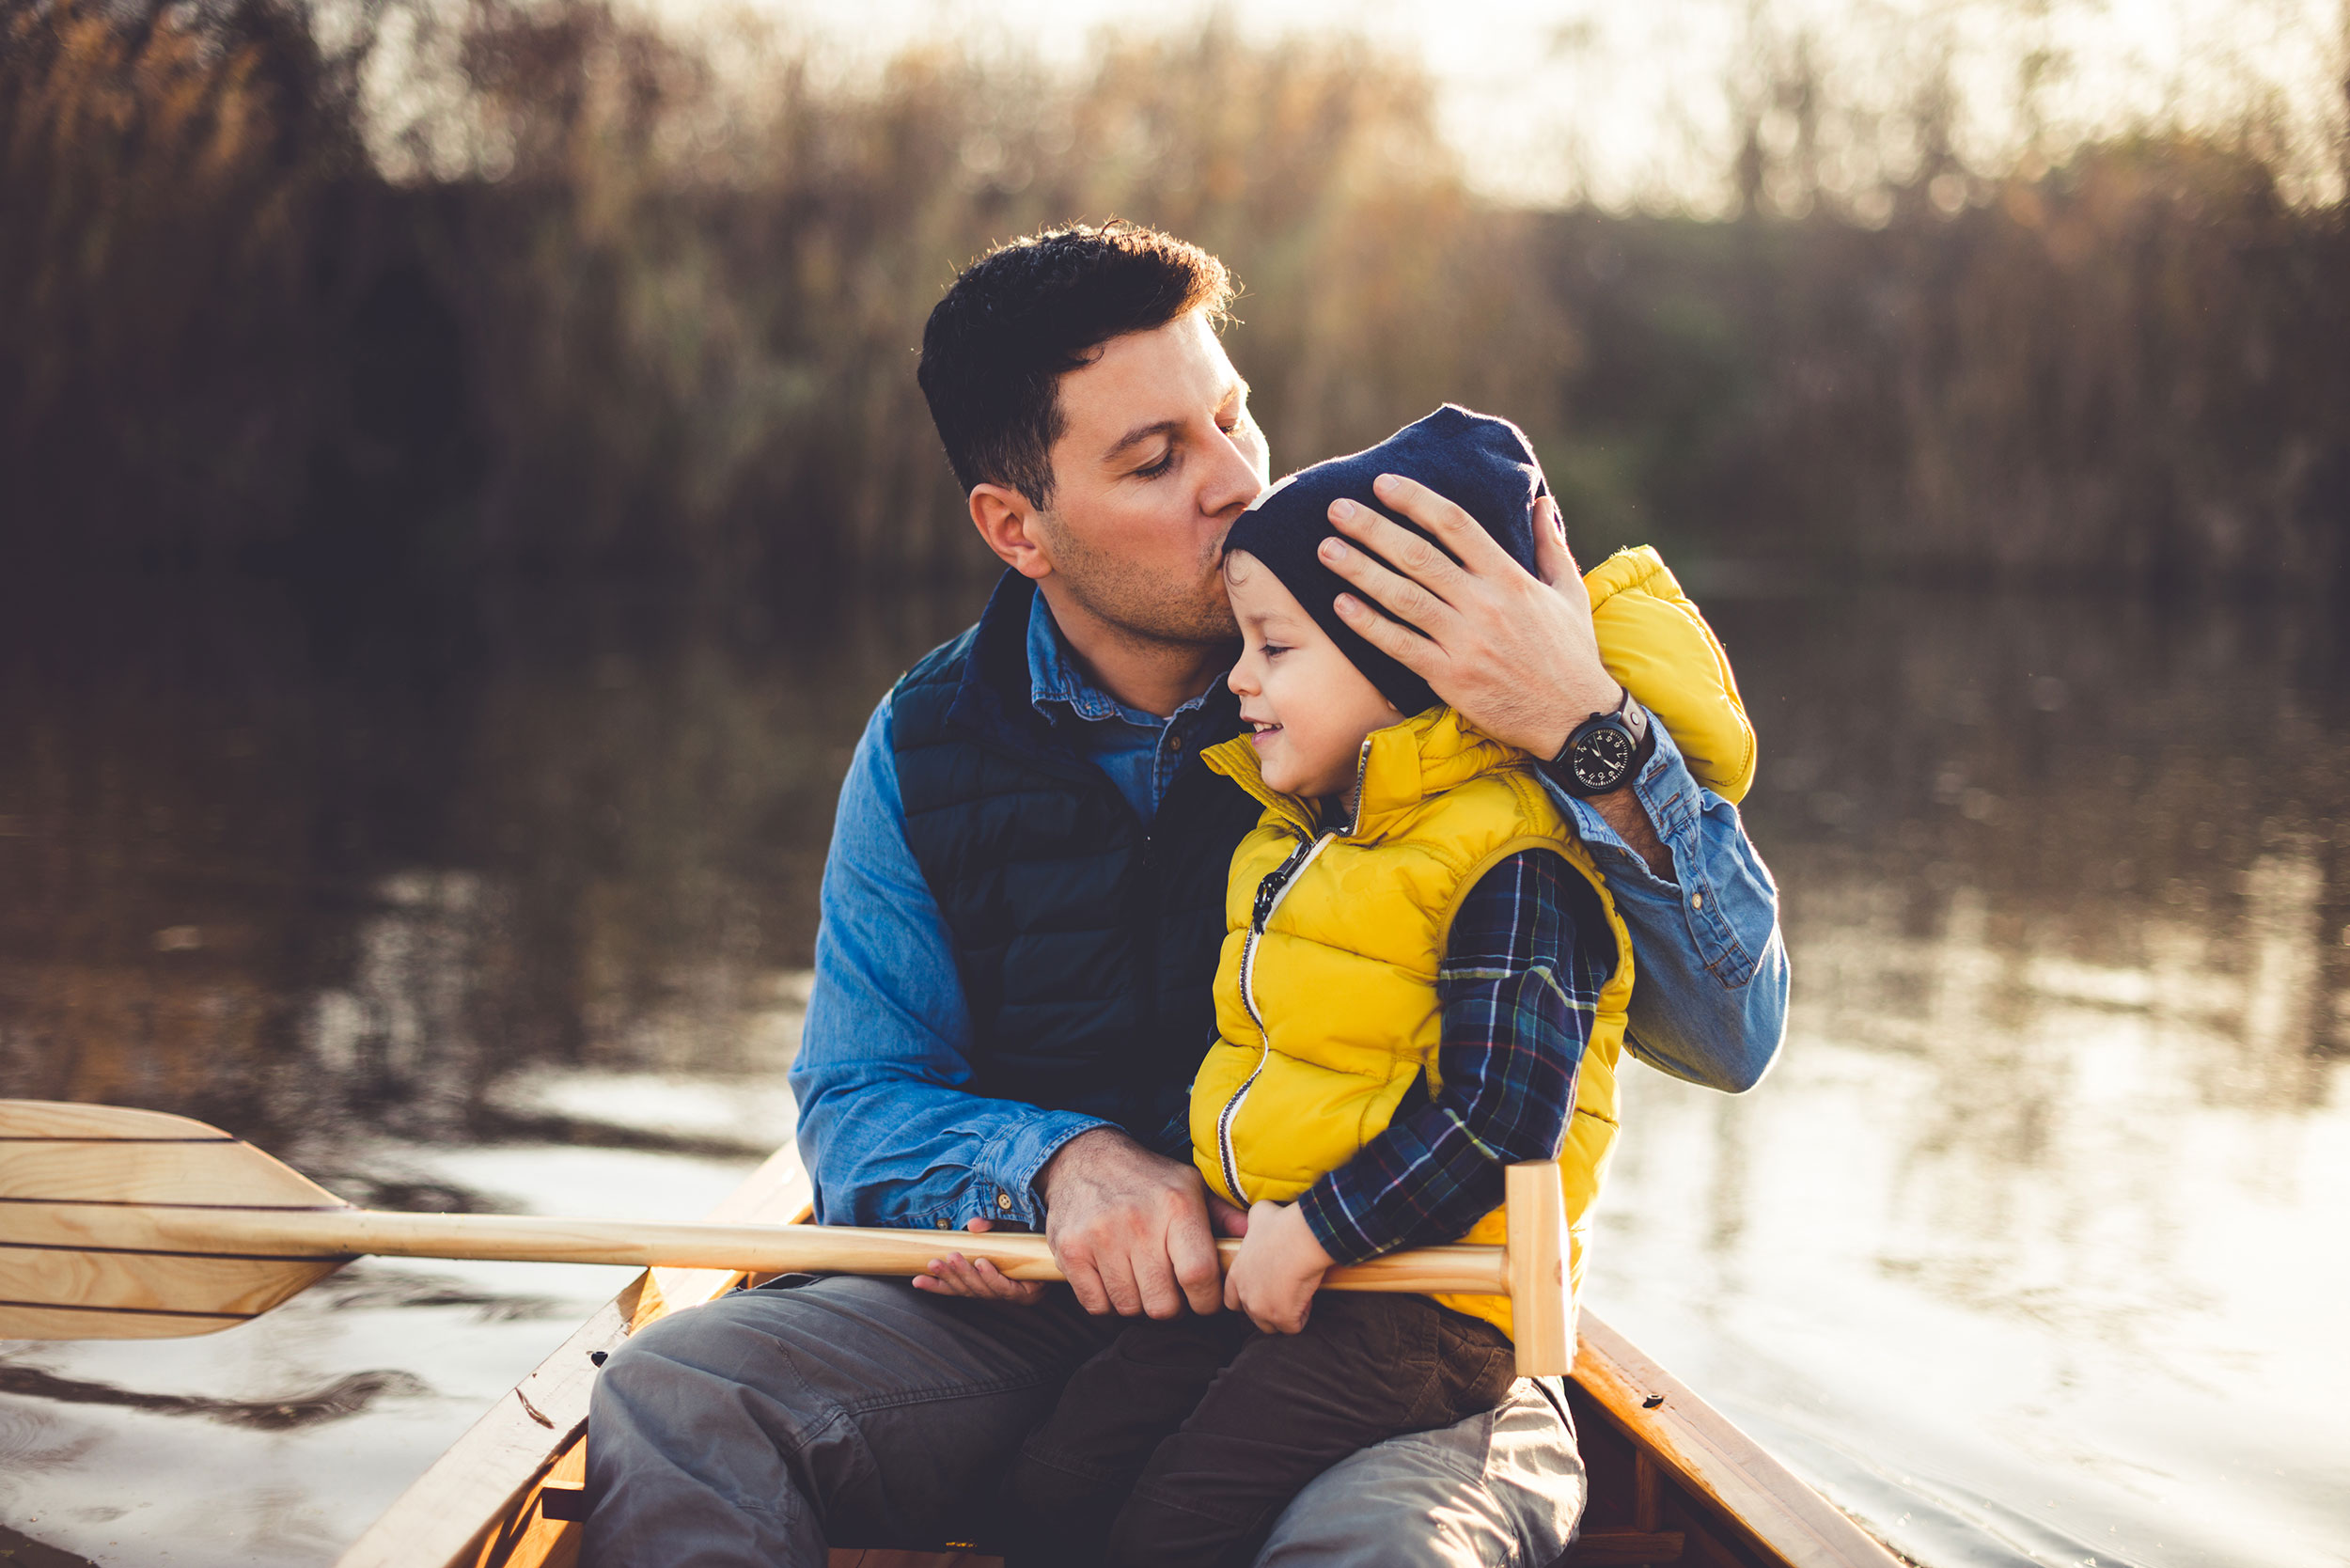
(1055, 678)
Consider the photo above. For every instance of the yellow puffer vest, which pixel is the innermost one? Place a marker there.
(1325, 991)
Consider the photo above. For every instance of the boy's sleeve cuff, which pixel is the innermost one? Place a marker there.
(1337, 1230)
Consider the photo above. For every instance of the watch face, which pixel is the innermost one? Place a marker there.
(1600, 758)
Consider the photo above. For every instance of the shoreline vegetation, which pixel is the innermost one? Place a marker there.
(611, 301)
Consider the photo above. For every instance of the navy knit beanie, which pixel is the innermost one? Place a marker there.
(1480, 463)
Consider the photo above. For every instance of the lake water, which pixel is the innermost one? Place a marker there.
(2031, 1250)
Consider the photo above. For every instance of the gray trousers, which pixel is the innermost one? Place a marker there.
(760, 1428)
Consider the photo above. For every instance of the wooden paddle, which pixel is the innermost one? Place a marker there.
(127, 1224)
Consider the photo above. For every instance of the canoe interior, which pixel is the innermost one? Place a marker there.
(1673, 1482)
(1636, 1517)
(1637, 1514)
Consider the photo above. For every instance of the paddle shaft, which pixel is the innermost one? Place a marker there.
(129, 1224)
(754, 1249)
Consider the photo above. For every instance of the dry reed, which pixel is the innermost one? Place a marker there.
(656, 311)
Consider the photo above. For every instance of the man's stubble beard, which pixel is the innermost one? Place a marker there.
(1138, 603)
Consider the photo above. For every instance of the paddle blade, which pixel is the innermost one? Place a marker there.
(114, 1225)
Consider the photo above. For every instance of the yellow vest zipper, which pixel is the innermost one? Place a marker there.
(1270, 892)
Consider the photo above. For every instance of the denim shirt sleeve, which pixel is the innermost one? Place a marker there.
(889, 1131)
(1709, 1000)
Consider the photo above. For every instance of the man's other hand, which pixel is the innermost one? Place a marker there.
(980, 1280)
(1131, 1228)
(1513, 651)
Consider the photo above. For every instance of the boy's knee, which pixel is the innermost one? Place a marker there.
(1156, 1532)
(1039, 1487)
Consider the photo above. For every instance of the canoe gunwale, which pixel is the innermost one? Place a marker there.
(485, 1485)
(477, 1504)
(1726, 1475)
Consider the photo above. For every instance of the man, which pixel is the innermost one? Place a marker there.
(1021, 915)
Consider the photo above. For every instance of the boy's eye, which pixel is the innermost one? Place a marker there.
(1274, 650)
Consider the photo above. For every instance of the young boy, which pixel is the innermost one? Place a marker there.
(1423, 980)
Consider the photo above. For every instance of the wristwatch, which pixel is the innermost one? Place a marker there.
(1606, 750)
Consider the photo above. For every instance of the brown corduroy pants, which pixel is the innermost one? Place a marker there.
(1181, 1442)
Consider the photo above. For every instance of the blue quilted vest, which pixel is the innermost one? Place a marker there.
(1087, 942)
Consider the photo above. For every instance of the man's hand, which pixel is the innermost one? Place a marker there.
(1280, 1267)
(1513, 651)
(1131, 1228)
(956, 1275)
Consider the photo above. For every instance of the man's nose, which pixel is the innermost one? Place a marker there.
(1231, 479)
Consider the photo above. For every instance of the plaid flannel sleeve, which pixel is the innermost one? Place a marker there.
(1519, 987)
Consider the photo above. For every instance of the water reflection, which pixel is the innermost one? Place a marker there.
(345, 1396)
(300, 871)
(422, 901)
(2025, 1252)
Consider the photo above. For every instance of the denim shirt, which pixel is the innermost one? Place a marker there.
(892, 1136)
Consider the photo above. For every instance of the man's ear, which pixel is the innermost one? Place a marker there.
(1008, 521)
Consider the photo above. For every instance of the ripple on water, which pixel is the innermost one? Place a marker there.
(2027, 1252)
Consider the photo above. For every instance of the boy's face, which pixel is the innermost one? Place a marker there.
(1307, 704)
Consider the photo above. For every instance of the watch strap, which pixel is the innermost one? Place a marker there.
(1643, 736)
(1643, 723)
(1635, 718)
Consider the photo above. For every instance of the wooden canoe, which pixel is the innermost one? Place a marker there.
(1671, 1480)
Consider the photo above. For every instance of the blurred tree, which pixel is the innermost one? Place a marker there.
(564, 293)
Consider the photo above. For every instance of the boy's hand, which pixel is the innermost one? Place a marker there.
(1280, 1267)
(980, 1280)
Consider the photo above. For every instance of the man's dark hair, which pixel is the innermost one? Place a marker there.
(1028, 312)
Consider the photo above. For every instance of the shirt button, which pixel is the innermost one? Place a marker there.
(1697, 900)
(946, 1225)
(1003, 1201)
(1174, 743)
